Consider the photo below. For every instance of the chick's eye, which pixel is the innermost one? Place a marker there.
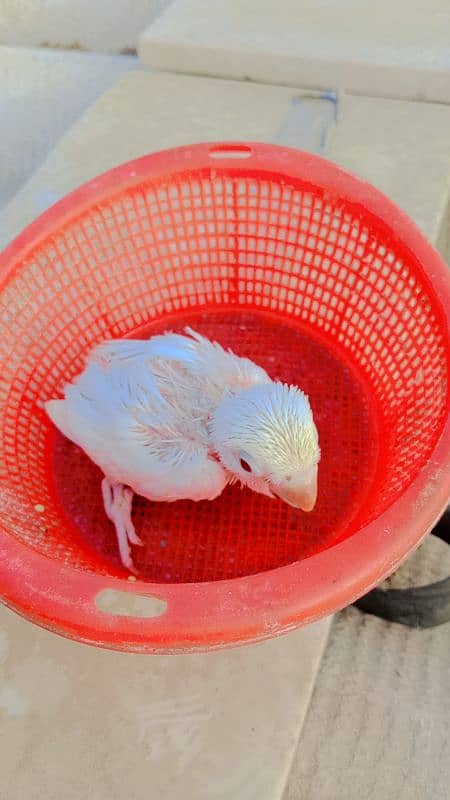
(245, 465)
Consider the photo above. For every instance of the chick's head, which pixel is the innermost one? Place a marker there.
(265, 437)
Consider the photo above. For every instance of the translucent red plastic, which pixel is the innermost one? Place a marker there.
(287, 259)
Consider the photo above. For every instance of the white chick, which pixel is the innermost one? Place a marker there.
(178, 417)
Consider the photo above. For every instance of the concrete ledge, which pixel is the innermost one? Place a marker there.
(384, 49)
(77, 24)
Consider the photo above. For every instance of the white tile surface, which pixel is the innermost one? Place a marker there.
(83, 723)
(388, 49)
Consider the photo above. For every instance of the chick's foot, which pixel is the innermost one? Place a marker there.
(118, 500)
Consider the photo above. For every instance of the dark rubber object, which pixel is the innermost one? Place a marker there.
(417, 607)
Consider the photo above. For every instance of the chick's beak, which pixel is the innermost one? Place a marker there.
(303, 496)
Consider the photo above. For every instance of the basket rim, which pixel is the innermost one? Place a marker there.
(211, 615)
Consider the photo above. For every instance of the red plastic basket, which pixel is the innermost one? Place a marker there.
(291, 261)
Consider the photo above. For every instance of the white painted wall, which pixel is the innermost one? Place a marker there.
(42, 93)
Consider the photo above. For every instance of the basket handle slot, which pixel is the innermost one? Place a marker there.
(230, 151)
(128, 604)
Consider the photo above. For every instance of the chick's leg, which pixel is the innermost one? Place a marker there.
(118, 500)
